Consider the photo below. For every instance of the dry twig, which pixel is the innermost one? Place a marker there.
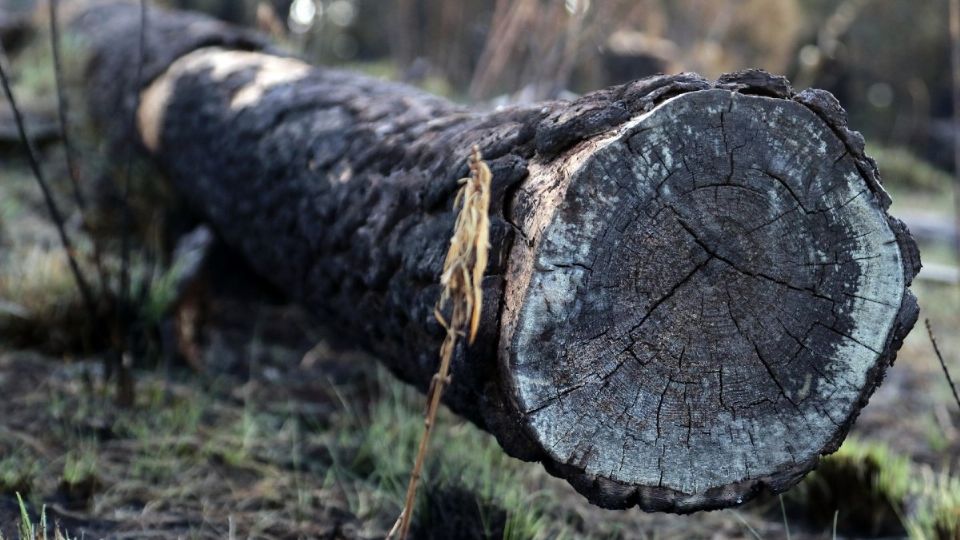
(943, 364)
(51, 204)
(121, 362)
(62, 104)
(461, 283)
(63, 112)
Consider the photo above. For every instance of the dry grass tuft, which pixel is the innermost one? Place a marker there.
(467, 257)
(461, 282)
(39, 301)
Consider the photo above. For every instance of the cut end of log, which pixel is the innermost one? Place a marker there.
(709, 305)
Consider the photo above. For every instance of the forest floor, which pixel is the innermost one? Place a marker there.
(274, 434)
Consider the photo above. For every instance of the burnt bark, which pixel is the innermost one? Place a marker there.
(694, 287)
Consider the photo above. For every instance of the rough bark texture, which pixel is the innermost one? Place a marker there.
(694, 287)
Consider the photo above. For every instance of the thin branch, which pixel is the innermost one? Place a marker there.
(943, 364)
(127, 218)
(123, 360)
(63, 111)
(51, 204)
(62, 105)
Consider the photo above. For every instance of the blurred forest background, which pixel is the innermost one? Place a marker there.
(887, 61)
(243, 421)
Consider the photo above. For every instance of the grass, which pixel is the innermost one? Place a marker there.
(868, 487)
(462, 458)
(181, 436)
(36, 284)
(80, 473)
(40, 305)
(80, 466)
(27, 529)
(161, 296)
(939, 517)
(197, 451)
(17, 472)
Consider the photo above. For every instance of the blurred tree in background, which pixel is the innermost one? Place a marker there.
(886, 60)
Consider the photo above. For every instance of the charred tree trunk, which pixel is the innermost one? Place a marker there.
(694, 287)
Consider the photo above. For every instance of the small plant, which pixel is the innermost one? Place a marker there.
(495, 493)
(80, 479)
(28, 530)
(17, 473)
(41, 299)
(161, 295)
(865, 484)
(870, 489)
(162, 426)
(236, 442)
(939, 517)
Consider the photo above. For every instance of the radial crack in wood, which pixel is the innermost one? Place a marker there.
(708, 300)
(693, 288)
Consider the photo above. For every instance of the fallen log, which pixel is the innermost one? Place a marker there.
(694, 287)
